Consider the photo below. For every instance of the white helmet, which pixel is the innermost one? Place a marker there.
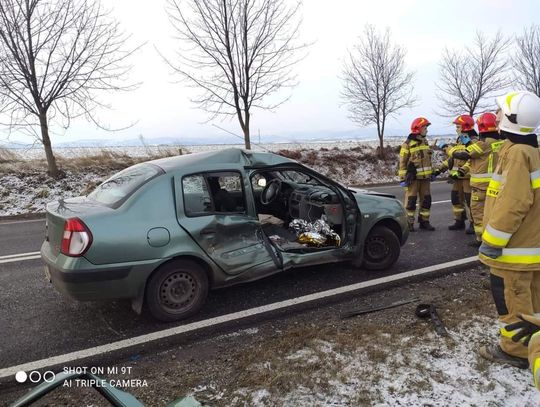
(521, 112)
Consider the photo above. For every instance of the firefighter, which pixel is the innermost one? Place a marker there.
(527, 332)
(482, 159)
(415, 173)
(461, 190)
(511, 236)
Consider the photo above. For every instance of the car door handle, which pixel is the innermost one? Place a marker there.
(208, 231)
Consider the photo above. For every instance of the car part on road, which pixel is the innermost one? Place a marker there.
(177, 290)
(425, 311)
(381, 249)
(368, 310)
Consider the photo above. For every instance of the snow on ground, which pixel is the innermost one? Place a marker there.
(30, 192)
(429, 372)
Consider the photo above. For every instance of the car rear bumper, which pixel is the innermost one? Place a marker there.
(81, 280)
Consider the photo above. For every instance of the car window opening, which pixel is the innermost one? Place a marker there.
(213, 193)
(298, 212)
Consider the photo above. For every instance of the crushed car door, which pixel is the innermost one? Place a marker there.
(212, 209)
(347, 207)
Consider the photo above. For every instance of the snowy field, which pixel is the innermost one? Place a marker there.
(36, 153)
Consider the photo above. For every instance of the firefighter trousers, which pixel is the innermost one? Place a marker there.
(514, 293)
(418, 191)
(478, 199)
(461, 199)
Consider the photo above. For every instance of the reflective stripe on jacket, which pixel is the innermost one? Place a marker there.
(453, 164)
(419, 153)
(512, 210)
(483, 161)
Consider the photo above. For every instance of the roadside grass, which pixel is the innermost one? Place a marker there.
(364, 360)
(28, 187)
(8, 156)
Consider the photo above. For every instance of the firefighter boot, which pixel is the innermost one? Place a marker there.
(470, 229)
(495, 354)
(458, 225)
(424, 224)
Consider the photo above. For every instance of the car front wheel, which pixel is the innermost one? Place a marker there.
(177, 290)
(381, 249)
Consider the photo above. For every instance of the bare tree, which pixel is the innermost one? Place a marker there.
(376, 84)
(241, 52)
(55, 57)
(527, 59)
(469, 78)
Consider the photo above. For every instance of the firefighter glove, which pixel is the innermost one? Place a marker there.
(461, 155)
(490, 251)
(526, 328)
(461, 172)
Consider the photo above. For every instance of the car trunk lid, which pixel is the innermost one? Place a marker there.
(60, 211)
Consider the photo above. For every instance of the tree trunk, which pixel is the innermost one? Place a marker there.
(52, 168)
(380, 133)
(247, 139)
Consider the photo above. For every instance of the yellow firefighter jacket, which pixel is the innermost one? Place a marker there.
(452, 164)
(419, 153)
(483, 161)
(512, 209)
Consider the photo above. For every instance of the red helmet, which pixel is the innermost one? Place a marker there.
(465, 121)
(487, 122)
(418, 124)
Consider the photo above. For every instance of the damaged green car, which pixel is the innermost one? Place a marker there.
(164, 232)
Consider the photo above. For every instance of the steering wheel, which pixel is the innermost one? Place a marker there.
(271, 191)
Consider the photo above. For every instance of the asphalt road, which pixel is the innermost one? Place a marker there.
(36, 322)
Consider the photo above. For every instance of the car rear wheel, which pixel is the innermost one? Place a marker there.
(381, 249)
(177, 290)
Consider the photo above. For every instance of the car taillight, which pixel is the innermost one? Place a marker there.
(76, 238)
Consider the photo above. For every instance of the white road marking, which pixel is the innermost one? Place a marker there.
(22, 221)
(437, 202)
(393, 186)
(11, 258)
(194, 326)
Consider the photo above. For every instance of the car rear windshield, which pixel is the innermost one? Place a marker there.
(119, 187)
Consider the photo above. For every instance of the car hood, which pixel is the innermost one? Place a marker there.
(371, 193)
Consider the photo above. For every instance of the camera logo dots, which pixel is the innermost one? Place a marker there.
(34, 376)
(21, 376)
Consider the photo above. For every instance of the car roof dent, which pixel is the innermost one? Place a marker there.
(229, 156)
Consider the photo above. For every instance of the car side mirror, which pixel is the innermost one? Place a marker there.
(261, 182)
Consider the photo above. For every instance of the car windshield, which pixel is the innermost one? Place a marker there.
(298, 177)
(118, 188)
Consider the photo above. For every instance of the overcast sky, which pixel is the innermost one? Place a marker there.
(162, 106)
